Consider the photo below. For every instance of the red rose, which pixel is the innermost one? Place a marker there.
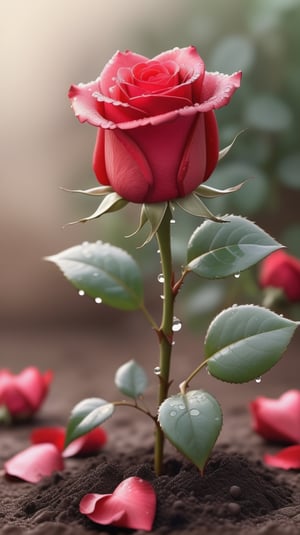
(22, 394)
(280, 270)
(158, 137)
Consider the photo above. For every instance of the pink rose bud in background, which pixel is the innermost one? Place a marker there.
(22, 394)
(280, 270)
(157, 133)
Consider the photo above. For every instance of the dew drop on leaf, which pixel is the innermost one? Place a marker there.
(237, 275)
(194, 412)
(258, 380)
(81, 293)
(98, 300)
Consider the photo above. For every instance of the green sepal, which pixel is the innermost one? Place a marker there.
(194, 206)
(210, 193)
(87, 415)
(111, 203)
(98, 191)
(243, 342)
(192, 423)
(224, 152)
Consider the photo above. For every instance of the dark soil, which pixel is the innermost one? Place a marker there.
(237, 494)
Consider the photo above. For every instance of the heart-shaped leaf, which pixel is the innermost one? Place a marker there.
(87, 415)
(104, 272)
(131, 379)
(217, 251)
(192, 422)
(131, 505)
(243, 342)
(35, 462)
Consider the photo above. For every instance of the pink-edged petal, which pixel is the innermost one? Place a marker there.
(217, 90)
(33, 385)
(288, 458)
(277, 419)
(88, 444)
(51, 435)
(127, 169)
(132, 505)
(34, 463)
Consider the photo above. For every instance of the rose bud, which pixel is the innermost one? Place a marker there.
(157, 133)
(280, 270)
(21, 395)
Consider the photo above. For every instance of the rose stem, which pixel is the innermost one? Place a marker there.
(163, 236)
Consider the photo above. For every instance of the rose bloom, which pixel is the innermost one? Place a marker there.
(280, 270)
(157, 133)
(23, 393)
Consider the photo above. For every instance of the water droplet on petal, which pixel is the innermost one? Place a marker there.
(81, 292)
(237, 275)
(258, 380)
(161, 278)
(98, 300)
(176, 325)
(157, 370)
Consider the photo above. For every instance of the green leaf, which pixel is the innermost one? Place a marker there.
(87, 415)
(131, 379)
(192, 423)
(217, 251)
(104, 272)
(243, 342)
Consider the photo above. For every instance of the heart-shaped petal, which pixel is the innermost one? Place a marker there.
(34, 463)
(132, 505)
(278, 419)
(288, 458)
(88, 444)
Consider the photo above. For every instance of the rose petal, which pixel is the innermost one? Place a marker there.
(34, 463)
(88, 444)
(131, 505)
(51, 435)
(288, 458)
(278, 419)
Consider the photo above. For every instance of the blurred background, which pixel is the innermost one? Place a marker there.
(48, 44)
